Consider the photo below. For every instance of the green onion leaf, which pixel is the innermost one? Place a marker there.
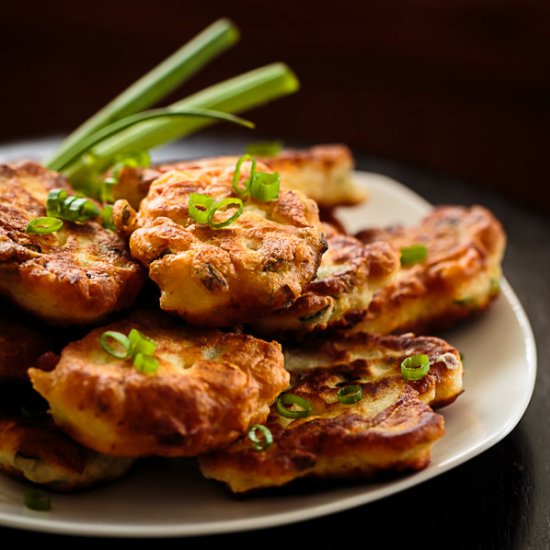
(245, 189)
(260, 444)
(153, 86)
(415, 367)
(231, 96)
(139, 119)
(122, 351)
(145, 363)
(265, 187)
(35, 499)
(44, 225)
(265, 148)
(413, 254)
(350, 394)
(225, 204)
(200, 206)
(292, 399)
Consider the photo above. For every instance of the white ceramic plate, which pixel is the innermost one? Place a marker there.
(170, 498)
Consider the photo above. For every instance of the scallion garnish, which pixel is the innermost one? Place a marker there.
(265, 187)
(260, 444)
(245, 189)
(135, 346)
(74, 208)
(350, 394)
(415, 367)
(264, 148)
(199, 207)
(153, 86)
(107, 217)
(38, 500)
(44, 225)
(225, 204)
(413, 254)
(293, 399)
(203, 209)
(121, 350)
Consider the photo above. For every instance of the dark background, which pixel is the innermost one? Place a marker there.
(459, 86)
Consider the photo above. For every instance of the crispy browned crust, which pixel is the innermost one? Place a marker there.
(340, 294)
(221, 277)
(324, 173)
(391, 429)
(33, 448)
(459, 277)
(209, 387)
(74, 276)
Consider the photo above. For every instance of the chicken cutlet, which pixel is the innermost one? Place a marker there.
(208, 388)
(364, 419)
(324, 173)
(339, 296)
(33, 448)
(76, 275)
(230, 275)
(459, 275)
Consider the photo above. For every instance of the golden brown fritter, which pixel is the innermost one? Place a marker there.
(324, 173)
(74, 276)
(340, 294)
(391, 428)
(33, 448)
(460, 275)
(210, 386)
(220, 277)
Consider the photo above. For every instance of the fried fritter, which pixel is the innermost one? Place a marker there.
(22, 341)
(210, 386)
(391, 428)
(339, 296)
(220, 277)
(76, 275)
(32, 447)
(459, 277)
(324, 173)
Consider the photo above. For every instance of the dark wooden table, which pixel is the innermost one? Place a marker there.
(500, 499)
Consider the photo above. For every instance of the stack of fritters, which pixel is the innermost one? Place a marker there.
(266, 279)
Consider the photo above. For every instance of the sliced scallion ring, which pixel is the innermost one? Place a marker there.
(264, 148)
(225, 204)
(415, 367)
(292, 399)
(54, 202)
(146, 363)
(122, 351)
(44, 225)
(260, 444)
(139, 343)
(413, 254)
(199, 207)
(243, 191)
(265, 187)
(350, 394)
(35, 499)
